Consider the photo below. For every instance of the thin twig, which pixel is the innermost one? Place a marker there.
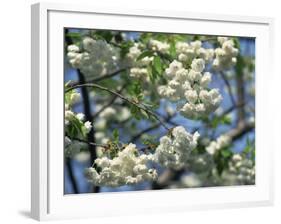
(101, 78)
(209, 39)
(232, 108)
(109, 103)
(152, 127)
(108, 75)
(241, 130)
(89, 143)
(141, 107)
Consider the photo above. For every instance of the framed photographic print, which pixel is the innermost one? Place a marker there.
(148, 111)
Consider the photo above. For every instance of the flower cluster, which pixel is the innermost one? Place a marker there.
(128, 167)
(241, 170)
(139, 67)
(186, 52)
(138, 70)
(221, 142)
(156, 45)
(75, 125)
(94, 57)
(70, 117)
(174, 149)
(189, 88)
(225, 56)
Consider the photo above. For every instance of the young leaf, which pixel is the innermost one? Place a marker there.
(115, 135)
(157, 64)
(145, 54)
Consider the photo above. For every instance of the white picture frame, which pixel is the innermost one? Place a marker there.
(48, 201)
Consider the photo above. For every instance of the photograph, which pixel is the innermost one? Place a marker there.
(157, 111)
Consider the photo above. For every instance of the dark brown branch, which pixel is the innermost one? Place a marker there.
(71, 176)
(141, 107)
(209, 39)
(88, 117)
(67, 160)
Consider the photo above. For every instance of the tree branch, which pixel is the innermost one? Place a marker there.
(87, 142)
(71, 176)
(141, 107)
(101, 78)
(241, 130)
(89, 117)
(67, 161)
(109, 103)
(152, 127)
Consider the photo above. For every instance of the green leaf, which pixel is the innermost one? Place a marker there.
(125, 47)
(135, 111)
(248, 149)
(226, 153)
(173, 52)
(157, 64)
(75, 37)
(115, 135)
(75, 128)
(226, 120)
(145, 54)
(145, 114)
(150, 74)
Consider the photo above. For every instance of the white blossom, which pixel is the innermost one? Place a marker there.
(191, 180)
(134, 52)
(88, 126)
(128, 167)
(160, 46)
(80, 116)
(174, 149)
(96, 57)
(189, 89)
(221, 142)
(225, 55)
(72, 148)
(206, 79)
(73, 48)
(73, 98)
(139, 73)
(189, 51)
(241, 170)
(68, 114)
(198, 65)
